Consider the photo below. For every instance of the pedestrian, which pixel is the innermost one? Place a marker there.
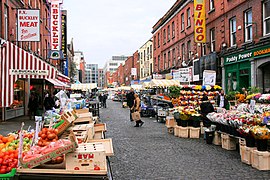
(222, 101)
(130, 102)
(136, 110)
(206, 107)
(32, 106)
(49, 102)
(100, 99)
(104, 100)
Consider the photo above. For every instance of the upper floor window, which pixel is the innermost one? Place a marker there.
(158, 62)
(212, 40)
(173, 57)
(233, 31)
(173, 30)
(203, 49)
(154, 42)
(211, 5)
(266, 18)
(164, 60)
(158, 43)
(169, 59)
(169, 33)
(164, 36)
(151, 51)
(188, 18)
(5, 22)
(182, 22)
(189, 49)
(183, 51)
(248, 25)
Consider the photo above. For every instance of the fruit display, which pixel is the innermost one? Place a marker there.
(47, 135)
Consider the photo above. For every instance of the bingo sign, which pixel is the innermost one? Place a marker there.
(199, 21)
(55, 29)
(28, 25)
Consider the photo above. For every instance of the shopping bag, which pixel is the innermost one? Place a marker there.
(136, 116)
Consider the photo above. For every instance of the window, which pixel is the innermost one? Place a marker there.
(173, 57)
(173, 30)
(144, 54)
(182, 22)
(212, 40)
(169, 33)
(6, 22)
(151, 51)
(204, 49)
(158, 40)
(169, 59)
(189, 49)
(211, 5)
(266, 18)
(233, 31)
(164, 60)
(158, 62)
(183, 51)
(164, 36)
(154, 42)
(188, 18)
(148, 53)
(248, 25)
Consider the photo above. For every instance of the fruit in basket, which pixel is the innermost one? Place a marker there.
(47, 135)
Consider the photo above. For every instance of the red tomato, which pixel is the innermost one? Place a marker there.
(1, 154)
(6, 157)
(8, 169)
(1, 160)
(11, 156)
(5, 162)
(2, 171)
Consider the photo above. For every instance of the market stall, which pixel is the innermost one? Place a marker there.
(67, 143)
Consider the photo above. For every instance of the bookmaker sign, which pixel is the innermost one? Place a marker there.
(28, 25)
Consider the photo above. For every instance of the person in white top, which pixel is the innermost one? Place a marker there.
(222, 100)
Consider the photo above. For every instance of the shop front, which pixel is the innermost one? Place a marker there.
(247, 69)
(22, 73)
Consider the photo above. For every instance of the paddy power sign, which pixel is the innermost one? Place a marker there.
(199, 21)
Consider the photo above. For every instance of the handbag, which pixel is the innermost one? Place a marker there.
(136, 116)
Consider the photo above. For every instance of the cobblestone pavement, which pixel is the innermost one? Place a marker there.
(150, 152)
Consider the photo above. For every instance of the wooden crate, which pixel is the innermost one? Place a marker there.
(81, 111)
(183, 132)
(176, 131)
(194, 132)
(170, 130)
(100, 127)
(217, 139)
(170, 122)
(228, 142)
(261, 160)
(99, 135)
(246, 155)
(107, 143)
(83, 120)
(87, 157)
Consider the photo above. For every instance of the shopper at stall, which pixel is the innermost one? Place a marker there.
(206, 107)
(136, 108)
(33, 105)
(222, 101)
(130, 101)
(49, 102)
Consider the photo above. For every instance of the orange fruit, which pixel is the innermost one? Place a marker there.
(5, 139)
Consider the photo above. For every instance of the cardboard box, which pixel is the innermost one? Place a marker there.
(88, 157)
(64, 126)
(47, 157)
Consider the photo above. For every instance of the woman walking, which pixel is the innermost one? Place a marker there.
(136, 111)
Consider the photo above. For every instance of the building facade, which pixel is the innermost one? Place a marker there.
(80, 66)
(101, 78)
(146, 60)
(91, 73)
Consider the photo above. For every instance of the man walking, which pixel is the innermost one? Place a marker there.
(130, 101)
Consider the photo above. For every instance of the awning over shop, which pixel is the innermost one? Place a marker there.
(124, 88)
(137, 87)
(163, 83)
(56, 83)
(146, 85)
(84, 86)
(17, 63)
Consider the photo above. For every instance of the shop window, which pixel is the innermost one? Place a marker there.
(266, 18)
(18, 94)
(248, 25)
(232, 81)
(244, 72)
(233, 31)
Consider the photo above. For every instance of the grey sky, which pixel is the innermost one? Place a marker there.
(103, 28)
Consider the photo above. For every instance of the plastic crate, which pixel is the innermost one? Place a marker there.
(227, 142)
(8, 176)
(217, 139)
(194, 132)
(183, 132)
(246, 155)
(176, 131)
(261, 160)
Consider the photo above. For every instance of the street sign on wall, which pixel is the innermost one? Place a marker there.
(28, 28)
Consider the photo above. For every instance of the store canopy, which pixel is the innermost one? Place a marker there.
(17, 63)
(58, 84)
(137, 87)
(124, 88)
(146, 85)
(163, 83)
(84, 86)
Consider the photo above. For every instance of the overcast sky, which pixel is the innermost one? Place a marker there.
(104, 28)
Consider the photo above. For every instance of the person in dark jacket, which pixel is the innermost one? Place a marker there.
(105, 97)
(33, 105)
(130, 101)
(222, 101)
(206, 107)
(49, 102)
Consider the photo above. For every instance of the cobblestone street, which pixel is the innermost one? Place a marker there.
(150, 152)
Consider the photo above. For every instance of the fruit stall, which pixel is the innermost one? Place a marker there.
(67, 143)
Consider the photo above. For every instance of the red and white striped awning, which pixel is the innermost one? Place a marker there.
(16, 63)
